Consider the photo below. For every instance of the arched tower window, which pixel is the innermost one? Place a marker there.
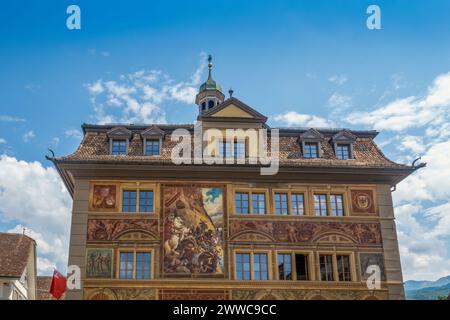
(210, 104)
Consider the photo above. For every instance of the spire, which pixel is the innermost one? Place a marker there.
(209, 66)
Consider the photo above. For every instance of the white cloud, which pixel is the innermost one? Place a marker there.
(413, 143)
(339, 103)
(338, 79)
(34, 197)
(2, 141)
(73, 133)
(6, 118)
(292, 118)
(411, 112)
(139, 97)
(27, 136)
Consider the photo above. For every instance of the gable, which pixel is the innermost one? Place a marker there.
(232, 111)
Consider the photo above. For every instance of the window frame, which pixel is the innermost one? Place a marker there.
(134, 251)
(252, 253)
(250, 193)
(138, 187)
(111, 146)
(310, 143)
(349, 150)
(334, 254)
(290, 192)
(329, 191)
(159, 146)
(310, 264)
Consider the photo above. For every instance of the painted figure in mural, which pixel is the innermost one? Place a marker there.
(193, 230)
(98, 263)
(104, 197)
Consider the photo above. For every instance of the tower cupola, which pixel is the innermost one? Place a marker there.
(210, 92)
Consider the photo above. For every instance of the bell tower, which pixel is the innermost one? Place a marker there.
(210, 92)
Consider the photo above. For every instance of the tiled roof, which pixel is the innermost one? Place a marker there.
(95, 148)
(14, 254)
(43, 288)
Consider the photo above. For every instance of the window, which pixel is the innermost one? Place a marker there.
(320, 204)
(301, 266)
(119, 147)
(343, 151)
(238, 149)
(343, 266)
(146, 201)
(143, 263)
(243, 266)
(281, 205)
(203, 105)
(129, 200)
(252, 266)
(152, 147)
(135, 265)
(284, 266)
(311, 150)
(258, 203)
(126, 265)
(297, 204)
(241, 203)
(260, 266)
(337, 205)
(210, 104)
(326, 267)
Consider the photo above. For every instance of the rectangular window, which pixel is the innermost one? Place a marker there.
(337, 205)
(311, 150)
(326, 267)
(284, 266)
(145, 201)
(258, 203)
(152, 147)
(281, 203)
(343, 266)
(243, 266)
(224, 149)
(301, 266)
(241, 202)
(126, 265)
(320, 204)
(119, 147)
(129, 200)
(143, 265)
(343, 151)
(239, 149)
(297, 204)
(260, 266)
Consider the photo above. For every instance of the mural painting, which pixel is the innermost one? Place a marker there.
(99, 263)
(111, 229)
(362, 202)
(193, 230)
(306, 232)
(103, 197)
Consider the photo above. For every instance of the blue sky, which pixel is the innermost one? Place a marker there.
(302, 63)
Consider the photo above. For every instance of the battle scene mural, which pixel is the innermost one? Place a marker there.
(193, 230)
(99, 263)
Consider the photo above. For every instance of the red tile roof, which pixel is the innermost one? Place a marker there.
(14, 254)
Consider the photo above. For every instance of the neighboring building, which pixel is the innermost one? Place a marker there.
(145, 228)
(43, 288)
(17, 267)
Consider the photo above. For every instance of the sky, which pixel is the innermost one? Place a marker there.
(301, 63)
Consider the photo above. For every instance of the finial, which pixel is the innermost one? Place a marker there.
(231, 92)
(209, 65)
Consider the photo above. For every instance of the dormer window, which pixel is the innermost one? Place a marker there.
(238, 147)
(311, 150)
(343, 144)
(153, 140)
(343, 151)
(152, 147)
(119, 147)
(310, 143)
(119, 138)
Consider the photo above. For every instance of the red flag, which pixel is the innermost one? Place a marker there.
(58, 286)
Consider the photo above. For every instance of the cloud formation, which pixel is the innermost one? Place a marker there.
(295, 119)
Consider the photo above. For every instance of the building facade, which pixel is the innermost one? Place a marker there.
(17, 267)
(144, 227)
